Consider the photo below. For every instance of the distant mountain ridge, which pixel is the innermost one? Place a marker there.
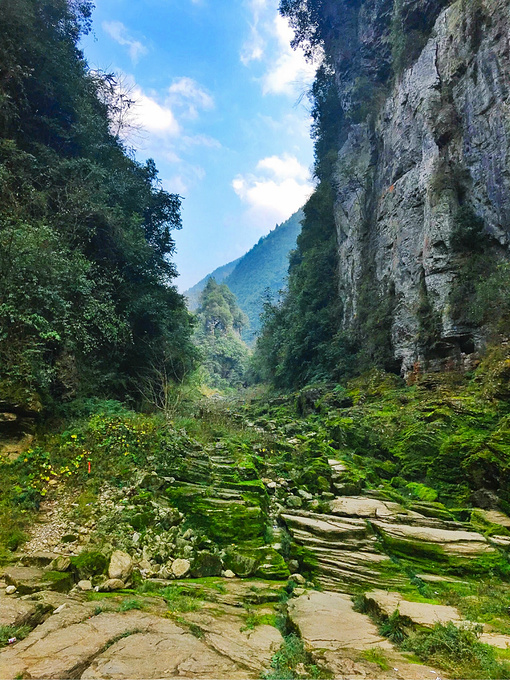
(263, 269)
(193, 294)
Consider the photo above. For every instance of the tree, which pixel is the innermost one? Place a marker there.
(87, 302)
(219, 326)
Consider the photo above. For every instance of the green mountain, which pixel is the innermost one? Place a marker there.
(263, 269)
(192, 295)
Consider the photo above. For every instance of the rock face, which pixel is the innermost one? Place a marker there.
(424, 152)
(75, 641)
(121, 566)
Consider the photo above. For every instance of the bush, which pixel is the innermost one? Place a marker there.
(458, 651)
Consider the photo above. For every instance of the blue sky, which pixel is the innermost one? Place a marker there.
(220, 108)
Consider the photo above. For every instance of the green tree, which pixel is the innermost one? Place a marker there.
(87, 303)
(218, 334)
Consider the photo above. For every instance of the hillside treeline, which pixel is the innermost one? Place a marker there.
(87, 304)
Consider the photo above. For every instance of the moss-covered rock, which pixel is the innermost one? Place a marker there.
(206, 564)
(263, 562)
(88, 564)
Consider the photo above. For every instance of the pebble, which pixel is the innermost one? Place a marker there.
(10, 590)
(228, 573)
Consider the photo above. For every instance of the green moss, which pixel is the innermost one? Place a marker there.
(223, 522)
(89, 563)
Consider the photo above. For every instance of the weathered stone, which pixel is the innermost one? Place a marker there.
(10, 590)
(298, 578)
(31, 579)
(294, 502)
(305, 495)
(206, 564)
(84, 585)
(496, 640)
(462, 543)
(335, 634)
(121, 566)
(420, 613)
(112, 584)
(328, 620)
(61, 563)
(181, 568)
(241, 564)
(228, 573)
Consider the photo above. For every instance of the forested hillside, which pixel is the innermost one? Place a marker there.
(219, 327)
(259, 274)
(192, 295)
(87, 303)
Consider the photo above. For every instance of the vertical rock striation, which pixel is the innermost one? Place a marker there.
(425, 138)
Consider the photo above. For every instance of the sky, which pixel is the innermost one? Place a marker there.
(221, 106)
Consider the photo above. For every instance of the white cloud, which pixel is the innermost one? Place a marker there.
(190, 97)
(279, 187)
(290, 72)
(121, 35)
(153, 117)
(286, 71)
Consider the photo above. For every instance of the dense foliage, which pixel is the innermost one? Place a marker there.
(301, 339)
(218, 335)
(86, 301)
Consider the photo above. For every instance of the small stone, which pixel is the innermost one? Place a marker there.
(228, 573)
(297, 592)
(187, 534)
(294, 502)
(297, 578)
(293, 566)
(10, 590)
(111, 584)
(61, 563)
(121, 566)
(305, 495)
(84, 585)
(181, 568)
(60, 608)
(165, 573)
(327, 495)
(136, 538)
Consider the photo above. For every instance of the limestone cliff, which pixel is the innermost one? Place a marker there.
(424, 90)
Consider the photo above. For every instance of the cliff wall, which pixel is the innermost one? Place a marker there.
(423, 164)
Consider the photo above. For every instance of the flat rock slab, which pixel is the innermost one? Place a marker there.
(496, 517)
(336, 634)
(16, 612)
(327, 620)
(75, 643)
(496, 640)
(325, 525)
(461, 543)
(360, 506)
(423, 614)
(29, 580)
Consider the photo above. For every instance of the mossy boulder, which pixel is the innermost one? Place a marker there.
(224, 522)
(263, 562)
(242, 563)
(206, 564)
(272, 565)
(88, 564)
